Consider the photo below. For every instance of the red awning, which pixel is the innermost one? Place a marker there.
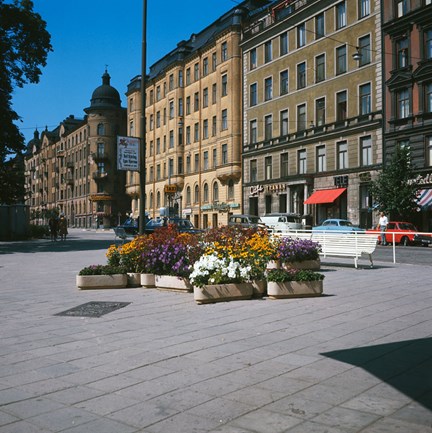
(424, 199)
(324, 196)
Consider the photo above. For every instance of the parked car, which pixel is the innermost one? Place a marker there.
(130, 226)
(246, 221)
(282, 222)
(337, 225)
(405, 234)
(182, 224)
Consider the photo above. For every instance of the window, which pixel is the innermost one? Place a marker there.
(158, 93)
(401, 7)
(196, 101)
(301, 75)
(171, 113)
(196, 194)
(283, 44)
(402, 53)
(301, 161)
(253, 170)
(253, 95)
(170, 167)
(180, 78)
(365, 99)
(283, 79)
(197, 162)
(341, 60)
(429, 150)
(188, 76)
(428, 44)
(214, 158)
(215, 192)
(171, 82)
(230, 193)
(205, 97)
(253, 132)
(224, 153)
(365, 50)
(365, 151)
(340, 15)
(214, 93)
(158, 146)
(268, 88)
(206, 160)
(158, 119)
(284, 123)
(428, 98)
(205, 129)
(252, 59)
(301, 117)
(321, 159)
(171, 139)
(320, 68)
(268, 127)
(284, 164)
(196, 72)
(341, 106)
(342, 155)
(100, 129)
(364, 8)
(214, 126)
(188, 135)
(224, 125)
(188, 105)
(131, 128)
(188, 164)
(320, 112)
(319, 26)
(224, 51)
(214, 62)
(205, 66)
(268, 51)
(180, 106)
(301, 35)
(151, 122)
(224, 85)
(180, 165)
(268, 168)
(196, 132)
(403, 104)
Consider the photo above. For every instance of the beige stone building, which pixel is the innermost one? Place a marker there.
(193, 126)
(72, 169)
(312, 113)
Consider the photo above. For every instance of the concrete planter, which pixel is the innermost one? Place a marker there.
(313, 265)
(148, 280)
(294, 289)
(222, 292)
(170, 282)
(116, 281)
(259, 288)
(134, 279)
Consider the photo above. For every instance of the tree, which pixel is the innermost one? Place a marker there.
(24, 47)
(395, 189)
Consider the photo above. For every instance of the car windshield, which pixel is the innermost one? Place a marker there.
(345, 223)
(254, 220)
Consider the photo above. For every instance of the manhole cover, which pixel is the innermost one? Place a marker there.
(93, 309)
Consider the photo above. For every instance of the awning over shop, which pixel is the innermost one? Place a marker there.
(425, 198)
(324, 196)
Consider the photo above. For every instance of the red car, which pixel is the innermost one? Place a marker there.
(404, 233)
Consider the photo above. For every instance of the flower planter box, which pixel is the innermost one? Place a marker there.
(148, 280)
(116, 281)
(222, 292)
(170, 282)
(294, 289)
(134, 279)
(259, 288)
(313, 265)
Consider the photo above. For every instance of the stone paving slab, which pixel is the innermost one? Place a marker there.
(355, 360)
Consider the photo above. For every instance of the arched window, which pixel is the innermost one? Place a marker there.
(196, 195)
(101, 129)
(215, 192)
(188, 195)
(151, 204)
(206, 193)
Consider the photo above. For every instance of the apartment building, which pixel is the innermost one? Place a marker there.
(312, 97)
(407, 60)
(193, 126)
(72, 168)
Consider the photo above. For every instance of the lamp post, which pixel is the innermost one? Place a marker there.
(142, 172)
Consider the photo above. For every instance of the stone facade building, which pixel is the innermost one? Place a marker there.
(72, 169)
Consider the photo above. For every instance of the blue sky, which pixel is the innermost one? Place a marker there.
(87, 35)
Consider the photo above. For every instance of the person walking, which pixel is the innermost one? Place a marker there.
(62, 225)
(383, 221)
(53, 226)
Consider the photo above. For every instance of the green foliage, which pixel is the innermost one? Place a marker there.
(101, 270)
(24, 47)
(38, 232)
(284, 275)
(395, 190)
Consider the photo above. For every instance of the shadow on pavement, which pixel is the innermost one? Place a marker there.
(405, 365)
(45, 245)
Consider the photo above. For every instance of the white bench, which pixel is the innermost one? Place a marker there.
(341, 244)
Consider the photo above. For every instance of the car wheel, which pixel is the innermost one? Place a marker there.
(404, 241)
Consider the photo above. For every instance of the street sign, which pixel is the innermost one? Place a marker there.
(170, 189)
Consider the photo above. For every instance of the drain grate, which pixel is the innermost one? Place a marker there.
(93, 309)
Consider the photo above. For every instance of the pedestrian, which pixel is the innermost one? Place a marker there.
(53, 227)
(382, 224)
(62, 225)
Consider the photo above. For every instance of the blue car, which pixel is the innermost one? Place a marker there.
(337, 225)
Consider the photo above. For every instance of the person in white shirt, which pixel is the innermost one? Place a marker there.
(383, 221)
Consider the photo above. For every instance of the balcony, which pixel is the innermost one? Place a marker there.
(177, 180)
(99, 175)
(69, 179)
(99, 156)
(228, 172)
(69, 164)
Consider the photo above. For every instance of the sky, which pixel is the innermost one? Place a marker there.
(89, 36)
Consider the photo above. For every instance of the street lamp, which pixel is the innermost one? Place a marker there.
(142, 153)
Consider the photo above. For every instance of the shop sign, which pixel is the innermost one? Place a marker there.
(170, 189)
(365, 177)
(341, 181)
(96, 197)
(422, 179)
(256, 190)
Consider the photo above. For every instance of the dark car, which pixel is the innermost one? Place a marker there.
(182, 224)
(130, 226)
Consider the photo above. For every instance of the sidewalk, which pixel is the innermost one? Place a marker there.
(355, 360)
